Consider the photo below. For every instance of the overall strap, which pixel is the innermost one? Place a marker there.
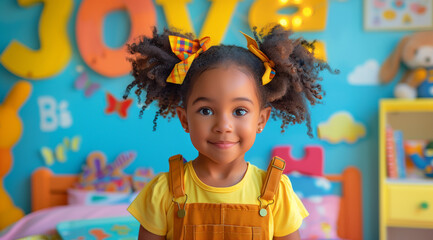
(175, 175)
(272, 180)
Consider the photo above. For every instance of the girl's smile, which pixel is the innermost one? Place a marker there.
(223, 144)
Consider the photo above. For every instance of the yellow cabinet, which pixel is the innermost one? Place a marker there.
(410, 203)
(403, 202)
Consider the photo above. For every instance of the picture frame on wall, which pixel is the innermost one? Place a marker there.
(398, 14)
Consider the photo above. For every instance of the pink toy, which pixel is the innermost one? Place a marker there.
(311, 164)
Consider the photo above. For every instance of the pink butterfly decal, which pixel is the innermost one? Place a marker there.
(83, 82)
(121, 107)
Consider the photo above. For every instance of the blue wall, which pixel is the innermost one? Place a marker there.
(347, 44)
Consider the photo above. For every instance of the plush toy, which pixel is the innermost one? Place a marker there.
(10, 133)
(99, 176)
(416, 52)
(424, 163)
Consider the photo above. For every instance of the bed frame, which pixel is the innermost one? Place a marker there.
(49, 190)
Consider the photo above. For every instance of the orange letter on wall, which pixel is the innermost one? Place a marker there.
(216, 22)
(103, 60)
(55, 50)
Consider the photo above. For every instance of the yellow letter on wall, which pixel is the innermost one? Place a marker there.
(55, 51)
(311, 14)
(176, 14)
(319, 50)
(216, 22)
(218, 19)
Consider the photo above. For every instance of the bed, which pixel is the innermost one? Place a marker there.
(50, 193)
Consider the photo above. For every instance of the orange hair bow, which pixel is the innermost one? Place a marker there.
(186, 50)
(269, 64)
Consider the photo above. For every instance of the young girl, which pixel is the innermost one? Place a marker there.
(223, 96)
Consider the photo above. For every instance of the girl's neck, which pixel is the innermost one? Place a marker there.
(218, 174)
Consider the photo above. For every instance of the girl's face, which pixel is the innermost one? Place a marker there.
(223, 113)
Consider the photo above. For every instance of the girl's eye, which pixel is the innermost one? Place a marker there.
(240, 112)
(205, 111)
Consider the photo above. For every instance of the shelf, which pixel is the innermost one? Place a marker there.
(400, 198)
(418, 181)
(413, 124)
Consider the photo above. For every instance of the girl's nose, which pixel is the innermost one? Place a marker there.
(223, 124)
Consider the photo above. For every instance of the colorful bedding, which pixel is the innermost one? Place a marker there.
(44, 222)
(319, 195)
(121, 228)
(322, 199)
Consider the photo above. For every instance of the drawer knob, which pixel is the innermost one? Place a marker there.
(424, 205)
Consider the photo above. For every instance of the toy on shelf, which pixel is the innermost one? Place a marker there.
(416, 52)
(425, 162)
(10, 133)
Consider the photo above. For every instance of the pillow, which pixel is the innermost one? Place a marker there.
(83, 197)
(309, 186)
(322, 221)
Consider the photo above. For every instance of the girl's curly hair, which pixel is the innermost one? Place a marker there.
(296, 80)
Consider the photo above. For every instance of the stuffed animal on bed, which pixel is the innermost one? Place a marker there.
(10, 134)
(416, 52)
(99, 176)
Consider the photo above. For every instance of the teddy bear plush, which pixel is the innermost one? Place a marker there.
(416, 52)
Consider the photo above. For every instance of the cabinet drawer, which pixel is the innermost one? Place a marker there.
(410, 203)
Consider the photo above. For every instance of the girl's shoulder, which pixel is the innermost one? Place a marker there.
(261, 174)
(254, 170)
(160, 182)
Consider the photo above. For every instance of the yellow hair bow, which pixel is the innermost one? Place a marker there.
(186, 50)
(269, 64)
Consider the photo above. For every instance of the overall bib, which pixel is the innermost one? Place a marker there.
(212, 221)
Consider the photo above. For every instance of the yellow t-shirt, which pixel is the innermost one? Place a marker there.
(153, 207)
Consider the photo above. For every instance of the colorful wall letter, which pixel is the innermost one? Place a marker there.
(102, 59)
(55, 50)
(215, 25)
(310, 14)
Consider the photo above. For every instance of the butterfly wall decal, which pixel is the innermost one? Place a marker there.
(60, 151)
(114, 105)
(83, 83)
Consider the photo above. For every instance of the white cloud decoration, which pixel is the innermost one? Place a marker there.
(366, 74)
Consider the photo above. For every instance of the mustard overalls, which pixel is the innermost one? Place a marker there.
(212, 221)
